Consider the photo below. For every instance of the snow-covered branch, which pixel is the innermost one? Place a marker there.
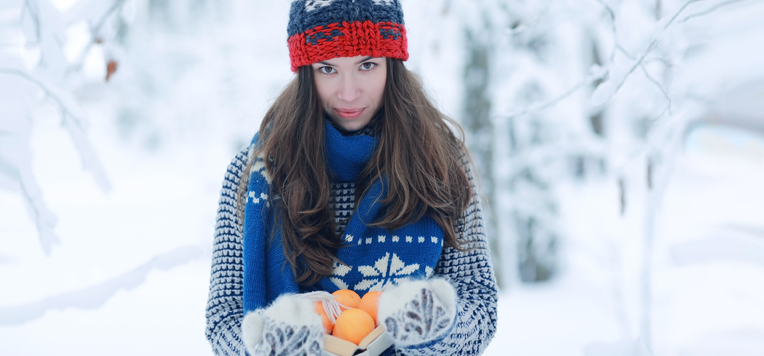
(710, 10)
(44, 29)
(596, 73)
(619, 73)
(531, 24)
(660, 87)
(104, 22)
(95, 296)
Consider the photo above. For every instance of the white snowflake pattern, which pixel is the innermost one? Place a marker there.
(434, 239)
(349, 238)
(259, 167)
(421, 239)
(311, 5)
(386, 271)
(395, 238)
(408, 238)
(256, 199)
(340, 270)
(381, 238)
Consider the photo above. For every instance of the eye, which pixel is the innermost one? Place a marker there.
(368, 65)
(327, 70)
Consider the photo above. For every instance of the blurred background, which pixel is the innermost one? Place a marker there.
(620, 145)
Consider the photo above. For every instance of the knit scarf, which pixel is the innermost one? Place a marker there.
(372, 258)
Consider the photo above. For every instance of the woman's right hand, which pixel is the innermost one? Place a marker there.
(418, 312)
(289, 326)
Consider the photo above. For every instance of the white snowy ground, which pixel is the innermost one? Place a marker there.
(131, 273)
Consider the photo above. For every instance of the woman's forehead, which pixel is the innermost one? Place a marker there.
(348, 60)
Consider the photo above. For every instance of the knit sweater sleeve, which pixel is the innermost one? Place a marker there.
(472, 275)
(224, 305)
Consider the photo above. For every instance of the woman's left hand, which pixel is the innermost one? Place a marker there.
(418, 312)
(290, 326)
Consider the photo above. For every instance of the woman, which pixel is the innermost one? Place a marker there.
(365, 187)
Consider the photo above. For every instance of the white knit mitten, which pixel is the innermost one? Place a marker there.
(290, 326)
(418, 312)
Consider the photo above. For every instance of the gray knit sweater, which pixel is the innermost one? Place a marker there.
(470, 272)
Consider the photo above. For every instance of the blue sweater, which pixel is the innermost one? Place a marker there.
(470, 272)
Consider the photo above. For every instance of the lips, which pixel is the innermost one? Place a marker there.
(349, 113)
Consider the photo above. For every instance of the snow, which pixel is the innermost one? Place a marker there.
(557, 318)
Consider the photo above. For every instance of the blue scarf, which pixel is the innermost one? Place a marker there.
(374, 258)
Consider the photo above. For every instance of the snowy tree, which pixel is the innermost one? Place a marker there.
(35, 67)
(604, 90)
(564, 91)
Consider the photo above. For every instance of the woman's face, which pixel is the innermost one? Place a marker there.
(351, 89)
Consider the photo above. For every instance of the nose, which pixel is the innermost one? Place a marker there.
(349, 88)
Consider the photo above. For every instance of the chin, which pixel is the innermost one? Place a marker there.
(351, 125)
(354, 126)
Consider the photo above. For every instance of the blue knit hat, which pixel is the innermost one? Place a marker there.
(324, 29)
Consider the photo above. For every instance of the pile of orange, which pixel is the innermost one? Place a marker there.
(358, 317)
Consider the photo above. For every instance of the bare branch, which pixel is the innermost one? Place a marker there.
(541, 106)
(112, 9)
(94, 30)
(617, 46)
(524, 27)
(625, 52)
(709, 10)
(660, 87)
(43, 219)
(35, 16)
(657, 59)
(600, 98)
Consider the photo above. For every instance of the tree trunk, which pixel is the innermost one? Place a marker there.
(479, 129)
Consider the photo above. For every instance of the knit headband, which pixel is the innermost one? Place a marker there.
(324, 29)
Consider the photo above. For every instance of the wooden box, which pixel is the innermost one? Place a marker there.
(372, 345)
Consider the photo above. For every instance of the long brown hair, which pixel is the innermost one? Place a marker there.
(417, 152)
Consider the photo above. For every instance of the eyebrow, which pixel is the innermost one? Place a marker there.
(359, 62)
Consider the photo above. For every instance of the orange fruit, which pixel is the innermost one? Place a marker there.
(370, 304)
(348, 298)
(353, 325)
(328, 326)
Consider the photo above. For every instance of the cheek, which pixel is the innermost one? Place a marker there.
(324, 91)
(379, 88)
